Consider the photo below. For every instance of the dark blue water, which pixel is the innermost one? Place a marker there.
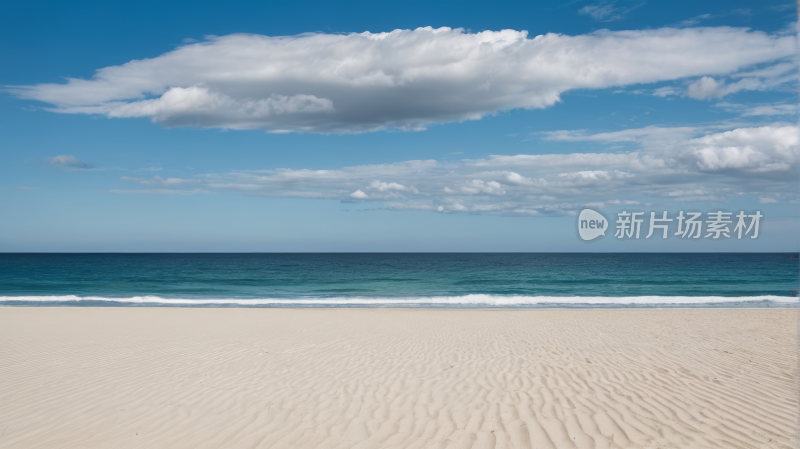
(416, 280)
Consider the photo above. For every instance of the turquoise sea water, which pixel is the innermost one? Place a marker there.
(400, 280)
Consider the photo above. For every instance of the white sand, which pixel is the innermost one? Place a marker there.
(212, 378)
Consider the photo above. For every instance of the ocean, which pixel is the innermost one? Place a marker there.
(458, 280)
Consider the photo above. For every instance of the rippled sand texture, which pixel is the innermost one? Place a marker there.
(245, 378)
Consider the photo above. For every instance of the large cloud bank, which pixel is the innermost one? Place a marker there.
(405, 79)
(717, 166)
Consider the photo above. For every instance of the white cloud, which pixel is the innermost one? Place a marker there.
(742, 152)
(765, 78)
(589, 178)
(666, 91)
(627, 202)
(160, 192)
(606, 11)
(706, 87)
(772, 71)
(696, 19)
(390, 186)
(774, 109)
(405, 79)
(693, 165)
(600, 12)
(783, 7)
(478, 186)
(760, 109)
(69, 161)
(687, 192)
(764, 200)
(774, 76)
(693, 195)
(159, 181)
(199, 106)
(769, 151)
(651, 137)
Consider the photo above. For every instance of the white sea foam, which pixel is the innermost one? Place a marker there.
(455, 301)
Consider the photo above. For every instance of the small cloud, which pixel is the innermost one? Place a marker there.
(730, 107)
(389, 186)
(704, 88)
(457, 152)
(69, 161)
(631, 92)
(760, 109)
(605, 12)
(599, 204)
(775, 109)
(784, 7)
(358, 194)
(159, 192)
(598, 12)
(159, 181)
(666, 91)
(685, 192)
(765, 200)
(742, 12)
(150, 169)
(189, 40)
(627, 202)
(774, 77)
(695, 20)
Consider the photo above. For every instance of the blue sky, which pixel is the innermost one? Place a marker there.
(264, 126)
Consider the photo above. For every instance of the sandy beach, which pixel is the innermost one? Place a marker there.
(381, 378)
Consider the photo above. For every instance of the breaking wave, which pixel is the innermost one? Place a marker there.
(476, 300)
